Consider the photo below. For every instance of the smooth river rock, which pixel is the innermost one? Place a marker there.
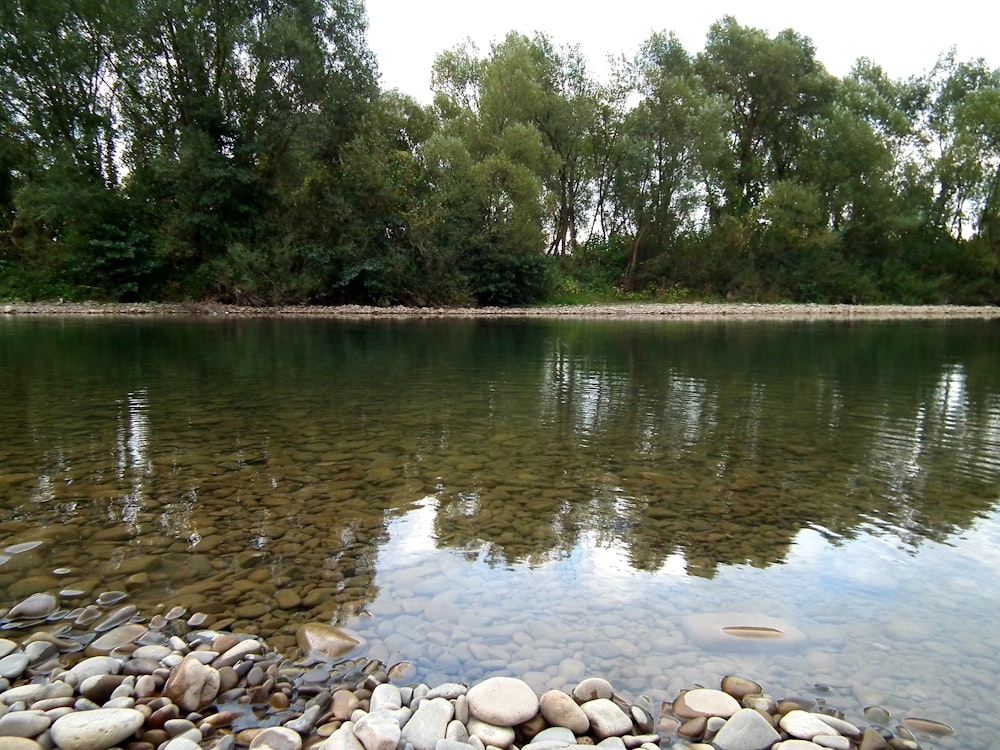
(606, 718)
(504, 701)
(192, 685)
(560, 710)
(705, 702)
(97, 729)
(318, 637)
(377, 731)
(36, 605)
(747, 729)
(803, 725)
(428, 723)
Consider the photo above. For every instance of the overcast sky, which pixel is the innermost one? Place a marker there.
(904, 38)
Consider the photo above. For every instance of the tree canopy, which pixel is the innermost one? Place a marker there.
(243, 150)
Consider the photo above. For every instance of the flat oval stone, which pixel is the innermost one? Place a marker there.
(95, 665)
(705, 702)
(803, 725)
(930, 726)
(123, 635)
(504, 701)
(23, 724)
(35, 606)
(20, 743)
(13, 665)
(97, 729)
(560, 710)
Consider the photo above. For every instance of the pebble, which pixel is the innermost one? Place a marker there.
(560, 710)
(803, 725)
(504, 701)
(705, 702)
(606, 718)
(98, 729)
(176, 688)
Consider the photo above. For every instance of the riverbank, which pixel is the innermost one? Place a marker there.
(104, 676)
(681, 310)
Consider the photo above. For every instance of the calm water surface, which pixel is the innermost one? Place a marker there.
(543, 498)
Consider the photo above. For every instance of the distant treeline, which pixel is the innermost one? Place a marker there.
(243, 150)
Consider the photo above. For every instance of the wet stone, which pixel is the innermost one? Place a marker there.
(705, 702)
(803, 725)
(13, 665)
(35, 606)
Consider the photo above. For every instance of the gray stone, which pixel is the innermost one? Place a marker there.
(705, 702)
(277, 738)
(504, 701)
(446, 744)
(303, 724)
(560, 710)
(833, 741)
(840, 726)
(181, 743)
(116, 637)
(385, 695)
(428, 723)
(803, 725)
(377, 731)
(492, 735)
(95, 730)
(449, 690)
(35, 606)
(606, 718)
(746, 729)
(95, 665)
(13, 665)
(24, 724)
(557, 733)
(456, 731)
(342, 739)
(26, 693)
(593, 688)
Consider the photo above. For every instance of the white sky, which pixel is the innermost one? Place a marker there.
(904, 38)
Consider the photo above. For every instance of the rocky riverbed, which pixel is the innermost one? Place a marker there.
(685, 310)
(105, 676)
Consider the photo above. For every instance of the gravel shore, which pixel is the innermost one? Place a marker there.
(683, 310)
(103, 676)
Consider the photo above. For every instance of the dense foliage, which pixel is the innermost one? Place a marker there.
(243, 150)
